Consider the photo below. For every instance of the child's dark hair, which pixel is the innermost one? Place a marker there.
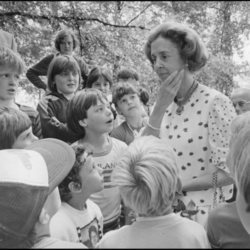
(73, 175)
(78, 106)
(61, 63)
(95, 73)
(122, 89)
(13, 122)
(126, 74)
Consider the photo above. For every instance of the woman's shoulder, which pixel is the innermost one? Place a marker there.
(212, 95)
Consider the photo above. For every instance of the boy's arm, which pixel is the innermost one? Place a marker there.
(39, 69)
(35, 120)
(36, 126)
(51, 126)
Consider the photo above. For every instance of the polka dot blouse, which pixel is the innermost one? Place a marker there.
(200, 136)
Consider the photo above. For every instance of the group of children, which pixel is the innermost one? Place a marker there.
(91, 203)
(56, 195)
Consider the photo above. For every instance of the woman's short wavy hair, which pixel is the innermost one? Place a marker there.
(148, 177)
(188, 42)
(61, 35)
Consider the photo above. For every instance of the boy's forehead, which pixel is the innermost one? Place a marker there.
(128, 95)
(67, 38)
(101, 101)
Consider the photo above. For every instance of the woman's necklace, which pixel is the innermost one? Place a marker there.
(181, 102)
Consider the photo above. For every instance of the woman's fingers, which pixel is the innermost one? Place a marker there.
(173, 82)
(178, 80)
(170, 78)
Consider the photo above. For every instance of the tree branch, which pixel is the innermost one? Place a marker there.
(139, 14)
(69, 18)
(77, 27)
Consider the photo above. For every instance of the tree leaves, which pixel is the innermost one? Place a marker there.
(113, 33)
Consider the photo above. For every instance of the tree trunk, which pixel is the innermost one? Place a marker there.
(226, 44)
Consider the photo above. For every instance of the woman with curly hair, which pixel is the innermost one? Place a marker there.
(191, 117)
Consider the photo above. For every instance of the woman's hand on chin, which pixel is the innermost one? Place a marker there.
(169, 88)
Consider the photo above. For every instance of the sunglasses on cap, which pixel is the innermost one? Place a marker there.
(240, 103)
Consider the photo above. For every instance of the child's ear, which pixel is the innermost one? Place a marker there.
(74, 187)
(83, 123)
(44, 217)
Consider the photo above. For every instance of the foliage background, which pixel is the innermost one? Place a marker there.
(113, 33)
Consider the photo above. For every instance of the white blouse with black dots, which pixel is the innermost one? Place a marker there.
(200, 137)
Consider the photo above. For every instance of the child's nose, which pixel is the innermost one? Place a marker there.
(13, 81)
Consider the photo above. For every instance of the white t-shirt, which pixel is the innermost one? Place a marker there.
(169, 231)
(74, 225)
(109, 199)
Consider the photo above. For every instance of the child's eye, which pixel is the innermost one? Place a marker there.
(164, 56)
(99, 109)
(4, 75)
(64, 73)
(96, 84)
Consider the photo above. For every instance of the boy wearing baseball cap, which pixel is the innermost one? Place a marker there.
(29, 194)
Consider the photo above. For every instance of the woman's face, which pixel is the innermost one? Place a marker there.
(166, 57)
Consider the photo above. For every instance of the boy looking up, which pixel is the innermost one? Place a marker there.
(78, 213)
(90, 116)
